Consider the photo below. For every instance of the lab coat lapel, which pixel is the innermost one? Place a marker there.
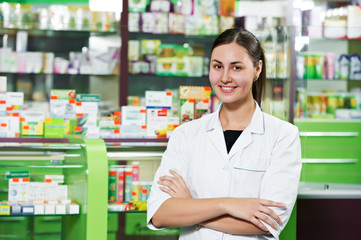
(256, 126)
(215, 133)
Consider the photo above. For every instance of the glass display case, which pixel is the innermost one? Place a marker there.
(327, 91)
(52, 189)
(132, 164)
(47, 46)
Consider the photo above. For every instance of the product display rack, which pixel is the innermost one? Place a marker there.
(331, 153)
(136, 84)
(49, 40)
(330, 145)
(148, 152)
(83, 164)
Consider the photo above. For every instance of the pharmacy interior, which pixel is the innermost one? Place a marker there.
(90, 92)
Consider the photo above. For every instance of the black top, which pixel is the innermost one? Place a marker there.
(231, 137)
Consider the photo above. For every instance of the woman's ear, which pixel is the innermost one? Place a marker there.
(259, 68)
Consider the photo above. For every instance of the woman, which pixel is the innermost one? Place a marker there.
(232, 174)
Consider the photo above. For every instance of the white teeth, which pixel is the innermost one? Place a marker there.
(227, 88)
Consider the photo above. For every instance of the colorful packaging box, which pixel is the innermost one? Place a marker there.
(157, 103)
(86, 109)
(15, 208)
(3, 103)
(161, 22)
(120, 185)
(202, 107)
(134, 22)
(157, 122)
(54, 128)
(137, 5)
(133, 115)
(128, 185)
(62, 103)
(109, 124)
(149, 46)
(112, 189)
(158, 99)
(5, 209)
(170, 61)
(148, 22)
(27, 208)
(176, 23)
(194, 102)
(32, 124)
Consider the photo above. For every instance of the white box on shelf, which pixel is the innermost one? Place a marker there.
(72, 208)
(133, 115)
(39, 209)
(158, 99)
(354, 22)
(50, 208)
(60, 208)
(3, 83)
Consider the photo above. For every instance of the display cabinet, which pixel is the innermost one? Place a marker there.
(50, 45)
(58, 46)
(53, 189)
(327, 92)
(124, 154)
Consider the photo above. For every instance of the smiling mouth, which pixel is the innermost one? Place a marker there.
(227, 88)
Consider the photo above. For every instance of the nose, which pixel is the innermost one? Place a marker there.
(226, 78)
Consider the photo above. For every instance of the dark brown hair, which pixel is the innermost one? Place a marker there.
(247, 40)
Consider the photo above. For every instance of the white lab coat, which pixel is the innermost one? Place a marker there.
(264, 162)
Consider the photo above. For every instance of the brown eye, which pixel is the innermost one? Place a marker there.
(217, 66)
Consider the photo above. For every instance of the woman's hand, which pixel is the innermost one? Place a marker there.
(254, 210)
(174, 185)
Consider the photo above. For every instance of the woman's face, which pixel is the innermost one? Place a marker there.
(232, 73)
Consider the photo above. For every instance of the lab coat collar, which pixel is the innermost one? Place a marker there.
(215, 132)
(256, 125)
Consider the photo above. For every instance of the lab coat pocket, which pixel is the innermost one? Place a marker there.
(247, 181)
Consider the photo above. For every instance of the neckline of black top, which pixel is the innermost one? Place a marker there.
(231, 137)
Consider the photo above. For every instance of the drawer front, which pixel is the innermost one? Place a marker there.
(47, 237)
(112, 236)
(14, 237)
(112, 223)
(331, 151)
(331, 173)
(136, 224)
(331, 140)
(47, 224)
(11, 225)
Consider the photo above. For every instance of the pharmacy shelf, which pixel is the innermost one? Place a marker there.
(61, 74)
(34, 140)
(125, 212)
(174, 38)
(37, 215)
(135, 140)
(87, 174)
(56, 33)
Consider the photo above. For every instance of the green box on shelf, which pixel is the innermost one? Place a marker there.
(54, 128)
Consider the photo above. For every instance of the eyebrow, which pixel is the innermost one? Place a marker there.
(235, 62)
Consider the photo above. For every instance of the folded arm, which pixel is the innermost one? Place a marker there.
(233, 225)
(231, 215)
